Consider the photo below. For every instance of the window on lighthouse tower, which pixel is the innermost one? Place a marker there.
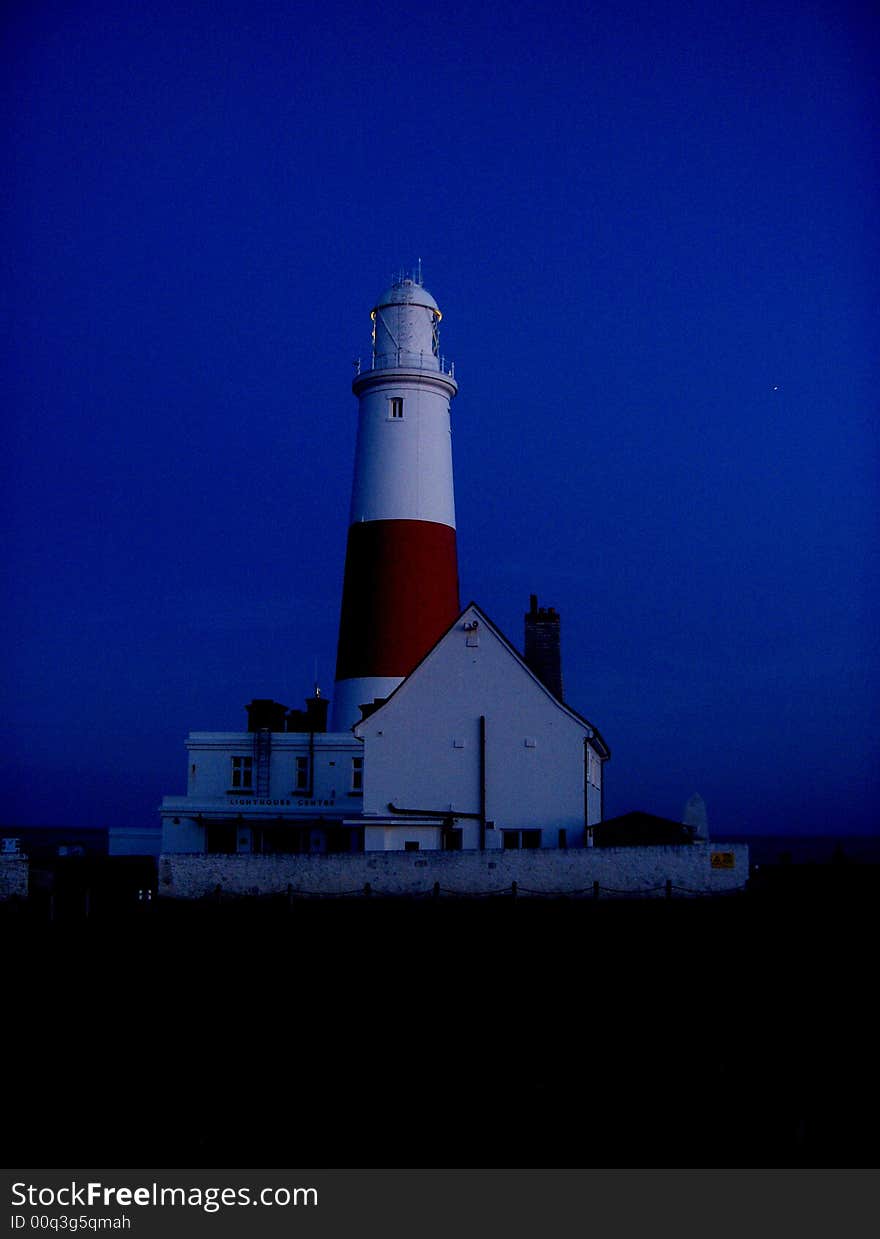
(395, 407)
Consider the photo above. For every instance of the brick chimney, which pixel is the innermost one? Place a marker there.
(543, 649)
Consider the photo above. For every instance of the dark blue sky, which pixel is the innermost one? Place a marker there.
(652, 229)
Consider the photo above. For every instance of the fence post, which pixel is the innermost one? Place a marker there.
(368, 890)
(513, 890)
(669, 888)
(290, 894)
(436, 891)
(595, 890)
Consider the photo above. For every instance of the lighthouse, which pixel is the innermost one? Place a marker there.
(400, 591)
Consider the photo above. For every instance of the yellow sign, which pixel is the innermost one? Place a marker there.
(722, 860)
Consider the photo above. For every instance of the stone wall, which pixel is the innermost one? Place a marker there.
(13, 877)
(619, 871)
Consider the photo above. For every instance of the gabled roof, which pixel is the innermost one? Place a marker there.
(593, 733)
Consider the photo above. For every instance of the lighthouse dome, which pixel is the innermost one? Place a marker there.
(405, 320)
(407, 292)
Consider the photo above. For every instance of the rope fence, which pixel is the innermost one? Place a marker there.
(80, 905)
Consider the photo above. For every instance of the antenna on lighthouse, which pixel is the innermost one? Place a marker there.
(419, 280)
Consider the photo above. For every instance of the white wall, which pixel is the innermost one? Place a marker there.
(570, 872)
(14, 872)
(209, 763)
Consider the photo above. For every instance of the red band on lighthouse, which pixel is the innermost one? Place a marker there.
(400, 596)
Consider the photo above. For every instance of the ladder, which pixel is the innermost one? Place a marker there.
(262, 755)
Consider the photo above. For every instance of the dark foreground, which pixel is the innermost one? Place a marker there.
(735, 1032)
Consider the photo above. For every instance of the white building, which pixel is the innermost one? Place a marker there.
(267, 792)
(471, 751)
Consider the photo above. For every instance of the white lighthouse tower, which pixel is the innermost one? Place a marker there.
(401, 567)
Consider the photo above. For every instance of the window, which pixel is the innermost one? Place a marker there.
(302, 775)
(242, 772)
(521, 838)
(395, 408)
(411, 845)
(357, 775)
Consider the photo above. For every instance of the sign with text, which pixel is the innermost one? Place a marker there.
(722, 860)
